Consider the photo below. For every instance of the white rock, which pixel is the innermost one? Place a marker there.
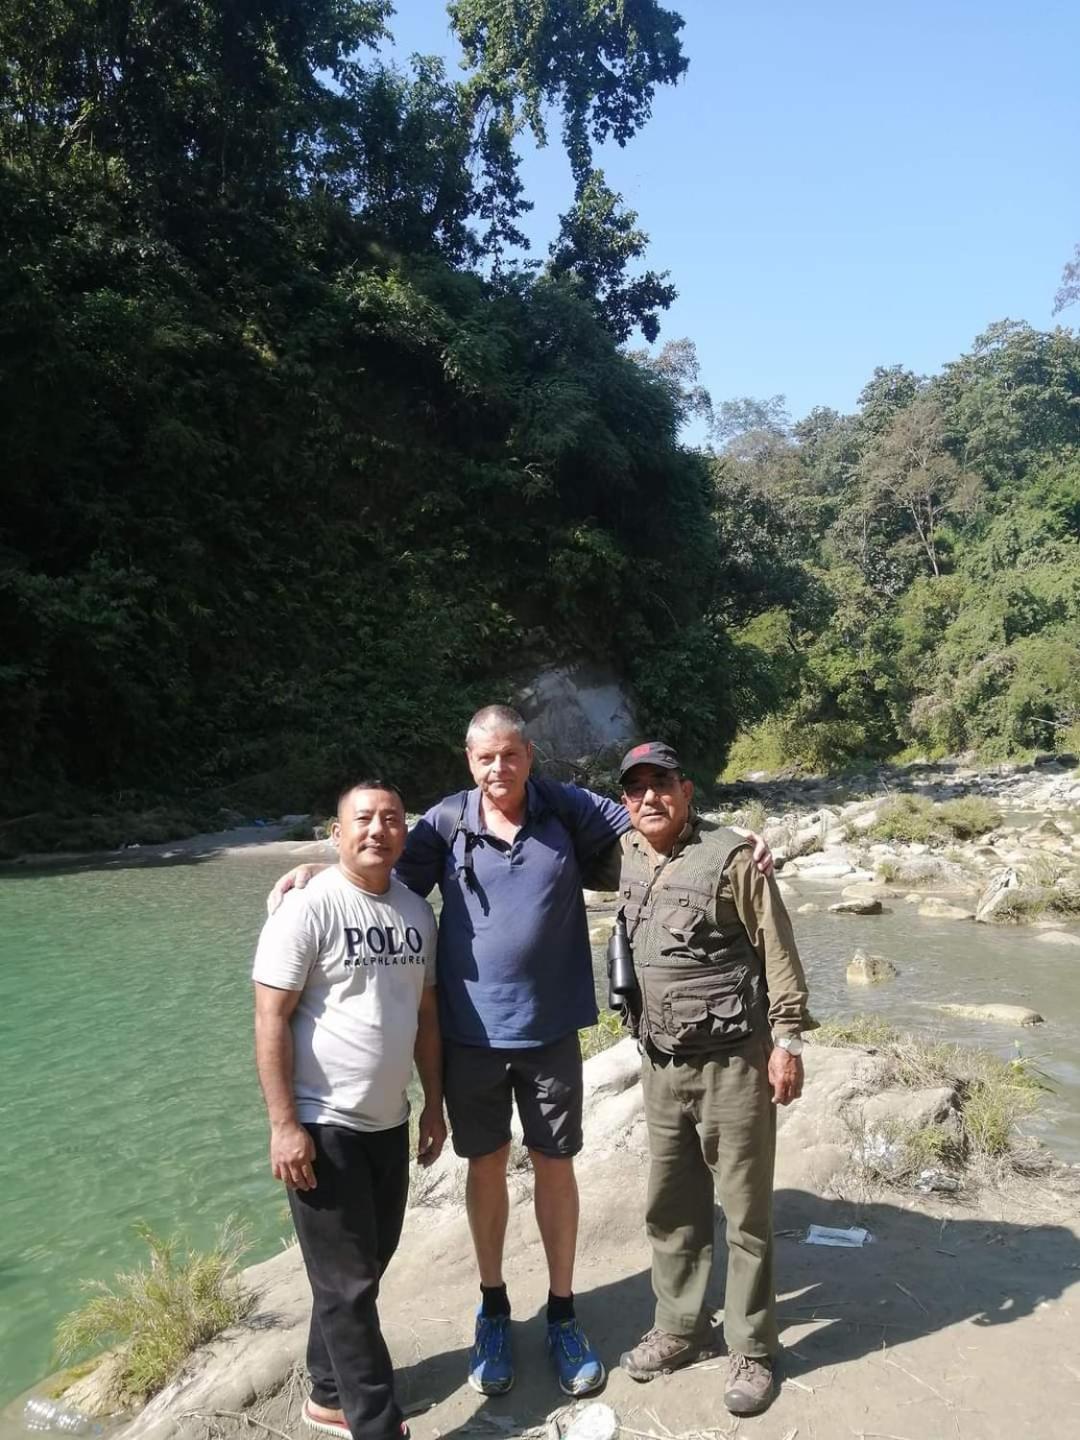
(934, 908)
(1004, 1014)
(822, 858)
(864, 969)
(809, 909)
(1059, 937)
(856, 907)
(996, 896)
(827, 872)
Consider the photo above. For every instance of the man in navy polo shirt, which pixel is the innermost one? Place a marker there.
(515, 986)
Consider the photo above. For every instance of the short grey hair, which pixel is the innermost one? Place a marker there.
(494, 717)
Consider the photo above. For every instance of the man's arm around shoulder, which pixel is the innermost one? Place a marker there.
(424, 858)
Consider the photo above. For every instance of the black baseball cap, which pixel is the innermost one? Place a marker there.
(652, 752)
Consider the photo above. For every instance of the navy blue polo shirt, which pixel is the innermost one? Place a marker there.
(514, 967)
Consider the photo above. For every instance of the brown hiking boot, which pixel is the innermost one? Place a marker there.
(749, 1388)
(658, 1353)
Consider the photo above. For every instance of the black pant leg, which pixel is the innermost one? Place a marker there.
(324, 1386)
(338, 1226)
(390, 1171)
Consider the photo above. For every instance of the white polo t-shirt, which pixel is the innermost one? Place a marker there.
(361, 963)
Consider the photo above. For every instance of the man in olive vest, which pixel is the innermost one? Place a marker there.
(720, 1003)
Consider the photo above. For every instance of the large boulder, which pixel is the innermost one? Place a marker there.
(864, 969)
(576, 711)
(856, 907)
(997, 897)
(912, 1109)
(814, 1138)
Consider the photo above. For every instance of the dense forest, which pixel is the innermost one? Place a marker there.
(937, 537)
(305, 453)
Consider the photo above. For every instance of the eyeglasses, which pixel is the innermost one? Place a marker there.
(637, 789)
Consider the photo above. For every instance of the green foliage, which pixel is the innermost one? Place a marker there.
(939, 535)
(157, 1315)
(607, 1031)
(969, 817)
(908, 818)
(302, 461)
(913, 818)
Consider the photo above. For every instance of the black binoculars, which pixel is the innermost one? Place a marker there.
(623, 993)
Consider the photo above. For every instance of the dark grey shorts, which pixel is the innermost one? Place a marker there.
(482, 1085)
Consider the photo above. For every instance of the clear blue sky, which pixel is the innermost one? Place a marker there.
(838, 185)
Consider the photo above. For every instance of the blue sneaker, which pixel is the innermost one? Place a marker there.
(491, 1360)
(578, 1366)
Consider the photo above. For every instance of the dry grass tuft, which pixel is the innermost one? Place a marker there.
(994, 1095)
(157, 1315)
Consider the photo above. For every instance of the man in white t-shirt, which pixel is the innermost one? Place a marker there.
(344, 1002)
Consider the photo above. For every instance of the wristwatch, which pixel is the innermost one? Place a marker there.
(791, 1043)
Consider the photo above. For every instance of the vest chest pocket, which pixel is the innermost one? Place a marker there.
(685, 927)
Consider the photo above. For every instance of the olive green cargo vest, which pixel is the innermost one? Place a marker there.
(702, 982)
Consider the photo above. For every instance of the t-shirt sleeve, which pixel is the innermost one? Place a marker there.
(599, 822)
(424, 857)
(288, 946)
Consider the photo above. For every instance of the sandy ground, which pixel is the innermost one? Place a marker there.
(953, 1322)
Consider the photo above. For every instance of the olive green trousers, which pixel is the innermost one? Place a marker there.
(711, 1122)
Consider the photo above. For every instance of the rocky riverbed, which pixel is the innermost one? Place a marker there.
(999, 846)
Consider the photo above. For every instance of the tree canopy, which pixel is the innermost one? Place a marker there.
(303, 455)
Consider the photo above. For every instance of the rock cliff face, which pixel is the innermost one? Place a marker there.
(575, 713)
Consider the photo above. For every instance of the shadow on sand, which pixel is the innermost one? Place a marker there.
(920, 1275)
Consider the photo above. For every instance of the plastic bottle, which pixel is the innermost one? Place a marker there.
(41, 1413)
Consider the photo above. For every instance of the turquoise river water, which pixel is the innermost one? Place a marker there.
(128, 1092)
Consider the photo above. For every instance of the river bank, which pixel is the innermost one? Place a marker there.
(126, 998)
(956, 1317)
(265, 838)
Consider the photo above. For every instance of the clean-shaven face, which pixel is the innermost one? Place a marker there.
(499, 762)
(370, 832)
(658, 802)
